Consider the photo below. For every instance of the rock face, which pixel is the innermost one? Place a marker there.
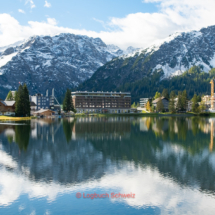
(60, 62)
(174, 56)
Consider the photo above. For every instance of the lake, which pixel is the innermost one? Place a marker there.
(108, 165)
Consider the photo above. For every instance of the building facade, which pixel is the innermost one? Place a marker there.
(101, 102)
(42, 102)
(7, 108)
(143, 102)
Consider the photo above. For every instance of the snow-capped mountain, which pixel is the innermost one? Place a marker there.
(60, 62)
(173, 56)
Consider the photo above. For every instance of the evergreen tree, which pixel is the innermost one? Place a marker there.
(195, 104)
(172, 94)
(160, 106)
(67, 103)
(153, 108)
(19, 102)
(9, 96)
(157, 95)
(172, 104)
(26, 101)
(22, 105)
(184, 100)
(180, 102)
(199, 99)
(15, 95)
(165, 93)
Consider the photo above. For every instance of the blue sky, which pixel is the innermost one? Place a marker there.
(138, 23)
(76, 14)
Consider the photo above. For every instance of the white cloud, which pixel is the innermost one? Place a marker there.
(137, 29)
(47, 4)
(32, 5)
(150, 187)
(51, 21)
(21, 11)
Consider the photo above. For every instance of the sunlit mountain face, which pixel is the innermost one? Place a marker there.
(168, 163)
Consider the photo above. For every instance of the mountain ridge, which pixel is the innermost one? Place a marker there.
(177, 54)
(44, 62)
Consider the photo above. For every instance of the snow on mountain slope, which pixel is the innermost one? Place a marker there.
(173, 56)
(181, 51)
(60, 62)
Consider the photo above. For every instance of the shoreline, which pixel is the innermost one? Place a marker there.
(189, 114)
(9, 118)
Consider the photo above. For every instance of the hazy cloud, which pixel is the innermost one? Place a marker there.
(51, 21)
(32, 5)
(47, 4)
(21, 11)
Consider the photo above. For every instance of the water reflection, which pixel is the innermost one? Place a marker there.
(168, 162)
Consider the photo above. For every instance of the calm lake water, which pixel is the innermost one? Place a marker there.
(147, 165)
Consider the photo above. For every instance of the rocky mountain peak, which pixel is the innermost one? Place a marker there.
(44, 62)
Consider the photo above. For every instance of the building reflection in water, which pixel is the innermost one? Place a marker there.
(212, 136)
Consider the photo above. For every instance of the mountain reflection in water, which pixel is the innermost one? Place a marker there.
(169, 162)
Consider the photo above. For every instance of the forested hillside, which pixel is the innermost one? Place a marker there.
(194, 80)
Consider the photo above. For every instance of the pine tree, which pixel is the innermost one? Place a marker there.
(172, 104)
(9, 96)
(67, 103)
(22, 105)
(157, 95)
(19, 102)
(165, 93)
(199, 99)
(26, 101)
(153, 108)
(160, 106)
(172, 94)
(180, 102)
(184, 100)
(195, 103)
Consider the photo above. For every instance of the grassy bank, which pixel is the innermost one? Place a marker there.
(12, 118)
(178, 114)
(207, 114)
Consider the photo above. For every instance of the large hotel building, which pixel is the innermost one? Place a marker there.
(101, 102)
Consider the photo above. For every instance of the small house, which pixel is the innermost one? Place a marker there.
(165, 102)
(44, 113)
(7, 108)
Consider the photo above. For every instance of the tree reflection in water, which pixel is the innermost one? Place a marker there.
(22, 135)
(178, 147)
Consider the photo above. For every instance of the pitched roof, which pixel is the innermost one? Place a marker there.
(156, 100)
(8, 103)
(32, 104)
(43, 110)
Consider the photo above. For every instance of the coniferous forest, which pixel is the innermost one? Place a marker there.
(194, 81)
